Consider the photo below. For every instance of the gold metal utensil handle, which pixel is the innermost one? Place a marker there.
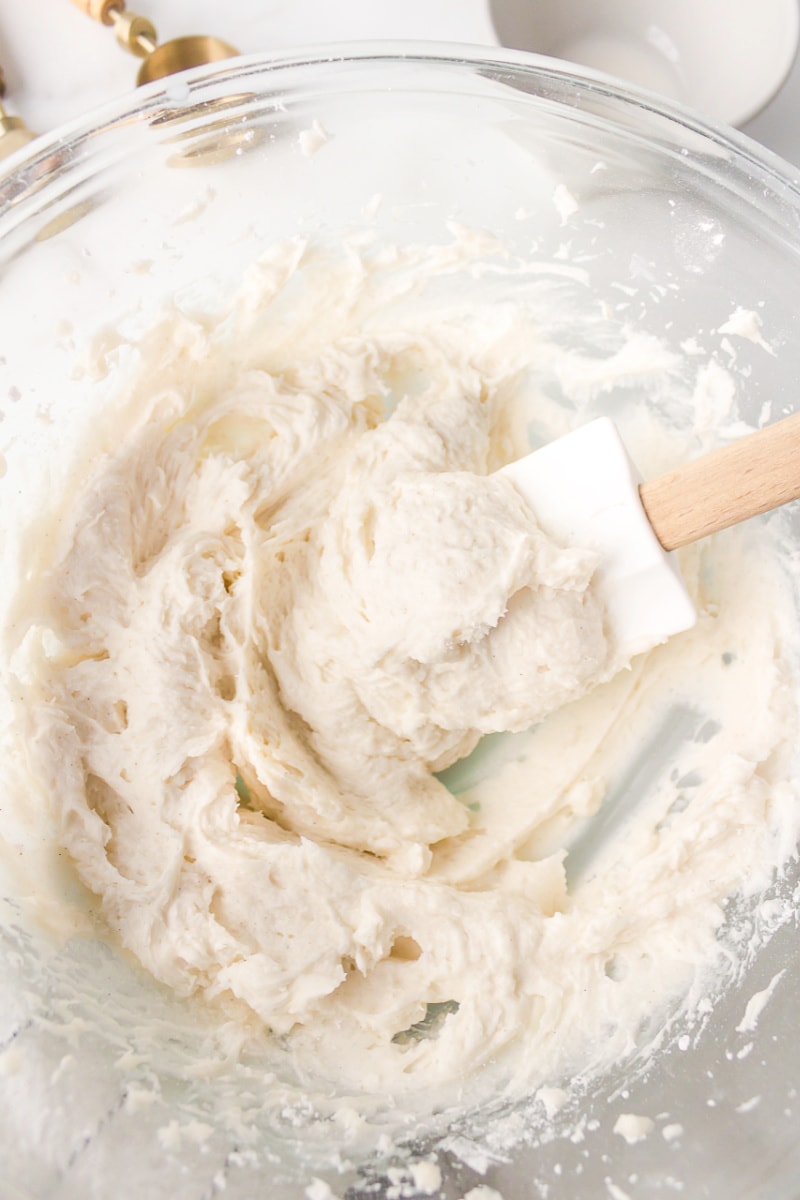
(14, 133)
(99, 10)
(134, 33)
(138, 36)
(179, 54)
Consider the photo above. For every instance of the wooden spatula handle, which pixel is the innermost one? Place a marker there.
(750, 476)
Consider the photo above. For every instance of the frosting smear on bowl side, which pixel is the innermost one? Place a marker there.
(286, 592)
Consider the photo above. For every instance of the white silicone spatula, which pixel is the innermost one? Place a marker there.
(585, 491)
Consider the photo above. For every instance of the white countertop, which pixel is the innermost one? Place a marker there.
(59, 64)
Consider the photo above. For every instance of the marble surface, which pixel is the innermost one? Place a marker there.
(59, 64)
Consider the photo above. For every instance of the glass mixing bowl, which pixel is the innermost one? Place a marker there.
(172, 192)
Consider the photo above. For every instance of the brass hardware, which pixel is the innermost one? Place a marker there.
(181, 53)
(99, 10)
(138, 36)
(135, 34)
(14, 133)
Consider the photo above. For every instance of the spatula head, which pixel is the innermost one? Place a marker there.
(584, 491)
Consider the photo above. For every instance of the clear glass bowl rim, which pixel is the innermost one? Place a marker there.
(48, 157)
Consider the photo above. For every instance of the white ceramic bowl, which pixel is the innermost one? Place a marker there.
(726, 58)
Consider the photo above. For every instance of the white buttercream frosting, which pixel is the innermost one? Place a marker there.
(285, 591)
